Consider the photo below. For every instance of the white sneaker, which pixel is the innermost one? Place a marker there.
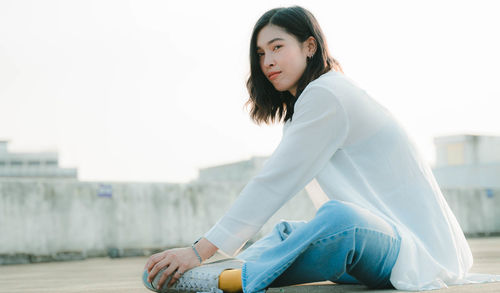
(204, 278)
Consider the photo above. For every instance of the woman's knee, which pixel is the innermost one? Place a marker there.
(337, 216)
(335, 209)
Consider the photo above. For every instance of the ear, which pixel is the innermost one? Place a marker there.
(310, 46)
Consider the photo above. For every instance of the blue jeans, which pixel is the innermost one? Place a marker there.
(343, 243)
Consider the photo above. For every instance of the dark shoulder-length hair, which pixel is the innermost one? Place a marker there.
(267, 103)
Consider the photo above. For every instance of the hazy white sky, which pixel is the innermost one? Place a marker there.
(154, 90)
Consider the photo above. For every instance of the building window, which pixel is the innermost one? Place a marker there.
(51, 163)
(34, 163)
(16, 163)
(2, 163)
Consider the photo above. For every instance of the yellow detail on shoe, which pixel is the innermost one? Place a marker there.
(230, 281)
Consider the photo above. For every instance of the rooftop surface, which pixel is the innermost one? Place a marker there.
(106, 275)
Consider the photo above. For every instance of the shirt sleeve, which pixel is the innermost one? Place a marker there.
(318, 128)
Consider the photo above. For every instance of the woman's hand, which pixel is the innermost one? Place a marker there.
(178, 260)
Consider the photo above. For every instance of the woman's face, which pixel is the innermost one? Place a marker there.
(282, 58)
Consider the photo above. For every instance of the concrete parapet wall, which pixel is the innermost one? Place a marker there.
(44, 220)
(477, 210)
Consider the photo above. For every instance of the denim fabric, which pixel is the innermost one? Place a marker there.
(343, 243)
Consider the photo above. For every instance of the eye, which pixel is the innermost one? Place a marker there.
(260, 54)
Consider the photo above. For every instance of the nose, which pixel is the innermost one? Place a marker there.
(268, 60)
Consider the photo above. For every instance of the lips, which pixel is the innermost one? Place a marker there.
(273, 74)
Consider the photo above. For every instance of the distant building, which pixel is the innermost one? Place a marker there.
(40, 165)
(237, 171)
(464, 161)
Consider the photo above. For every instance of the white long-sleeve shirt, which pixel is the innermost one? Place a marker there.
(359, 153)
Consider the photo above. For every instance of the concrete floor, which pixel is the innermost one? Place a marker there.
(106, 275)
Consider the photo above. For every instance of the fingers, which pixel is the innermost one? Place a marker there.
(152, 261)
(177, 275)
(155, 265)
(171, 267)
